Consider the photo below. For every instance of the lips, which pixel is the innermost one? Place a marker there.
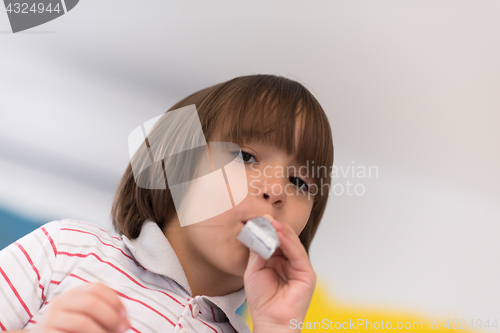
(245, 221)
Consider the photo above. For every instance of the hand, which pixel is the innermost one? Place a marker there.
(90, 308)
(279, 289)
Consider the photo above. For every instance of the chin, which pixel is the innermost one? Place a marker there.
(239, 263)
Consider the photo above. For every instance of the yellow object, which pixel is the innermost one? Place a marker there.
(325, 314)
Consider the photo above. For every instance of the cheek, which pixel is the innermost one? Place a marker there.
(300, 215)
(300, 225)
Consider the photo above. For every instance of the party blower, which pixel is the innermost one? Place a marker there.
(260, 236)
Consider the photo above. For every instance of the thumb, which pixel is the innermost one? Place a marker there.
(255, 263)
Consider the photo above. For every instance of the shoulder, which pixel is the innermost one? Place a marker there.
(83, 232)
(71, 233)
(82, 227)
(73, 228)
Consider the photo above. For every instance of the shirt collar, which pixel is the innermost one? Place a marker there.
(154, 252)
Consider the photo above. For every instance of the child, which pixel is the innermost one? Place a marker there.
(155, 275)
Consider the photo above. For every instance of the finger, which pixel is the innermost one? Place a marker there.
(269, 217)
(255, 264)
(98, 310)
(76, 323)
(111, 298)
(292, 248)
(278, 265)
(278, 251)
(290, 235)
(107, 294)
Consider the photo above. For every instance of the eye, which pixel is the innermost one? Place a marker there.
(248, 158)
(299, 183)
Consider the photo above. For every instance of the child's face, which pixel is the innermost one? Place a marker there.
(213, 242)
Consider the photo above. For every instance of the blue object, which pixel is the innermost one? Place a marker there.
(242, 309)
(14, 226)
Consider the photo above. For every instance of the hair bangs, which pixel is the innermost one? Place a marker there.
(274, 111)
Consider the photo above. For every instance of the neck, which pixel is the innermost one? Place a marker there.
(203, 277)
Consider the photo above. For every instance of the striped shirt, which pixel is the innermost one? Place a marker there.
(144, 272)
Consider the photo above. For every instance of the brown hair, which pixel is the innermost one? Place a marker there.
(263, 108)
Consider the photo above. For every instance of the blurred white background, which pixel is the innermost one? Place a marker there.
(412, 87)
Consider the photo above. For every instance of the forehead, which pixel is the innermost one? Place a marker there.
(287, 140)
(298, 137)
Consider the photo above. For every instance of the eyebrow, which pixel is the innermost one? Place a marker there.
(294, 162)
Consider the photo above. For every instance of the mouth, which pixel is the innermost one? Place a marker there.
(245, 221)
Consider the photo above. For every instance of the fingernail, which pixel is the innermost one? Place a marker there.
(123, 313)
(122, 328)
(269, 217)
(276, 225)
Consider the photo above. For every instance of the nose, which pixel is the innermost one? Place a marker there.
(273, 191)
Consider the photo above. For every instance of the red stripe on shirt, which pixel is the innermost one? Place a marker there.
(89, 233)
(81, 255)
(213, 329)
(16, 293)
(2, 327)
(92, 225)
(144, 304)
(32, 266)
(131, 299)
(213, 313)
(79, 277)
(50, 240)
